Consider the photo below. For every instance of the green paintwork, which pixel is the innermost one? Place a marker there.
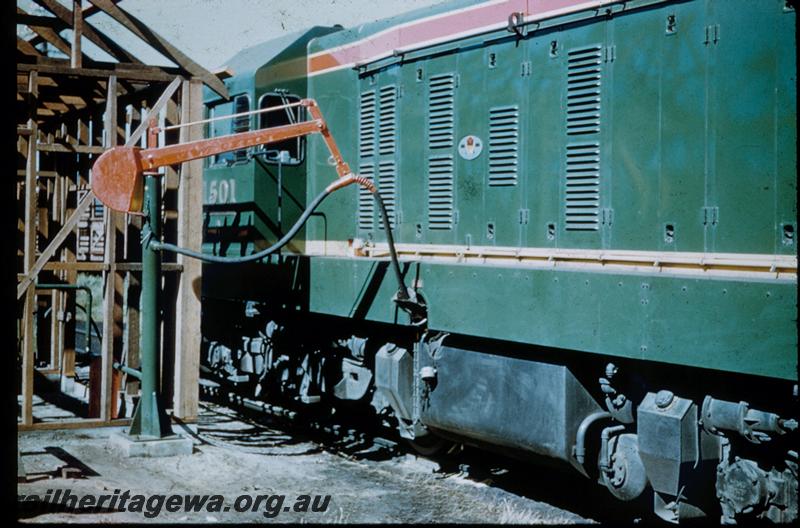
(279, 64)
(690, 127)
(150, 418)
(686, 321)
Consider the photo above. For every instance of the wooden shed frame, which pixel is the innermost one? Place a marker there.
(68, 112)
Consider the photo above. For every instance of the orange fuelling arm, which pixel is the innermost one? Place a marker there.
(117, 174)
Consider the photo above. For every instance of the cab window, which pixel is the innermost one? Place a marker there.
(241, 103)
(295, 146)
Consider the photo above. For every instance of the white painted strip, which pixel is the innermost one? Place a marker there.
(763, 266)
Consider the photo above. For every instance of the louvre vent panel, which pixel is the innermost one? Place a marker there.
(366, 203)
(387, 127)
(582, 194)
(387, 187)
(441, 114)
(503, 145)
(440, 192)
(584, 82)
(366, 125)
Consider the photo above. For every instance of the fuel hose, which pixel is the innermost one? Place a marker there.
(402, 292)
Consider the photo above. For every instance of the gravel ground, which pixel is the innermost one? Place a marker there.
(374, 485)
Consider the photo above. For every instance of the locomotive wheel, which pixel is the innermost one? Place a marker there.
(626, 479)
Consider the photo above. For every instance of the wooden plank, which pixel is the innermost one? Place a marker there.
(27, 48)
(71, 277)
(77, 32)
(93, 10)
(112, 301)
(29, 259)
(190, 235)
(153, 74)
(41, 21)
(133, 293)
(68, 148)
(71, 424)
(160, 44)
(75, 266)
(166, 95)
(56, 308)
(62, 234)
(110, 115)
(28, 356)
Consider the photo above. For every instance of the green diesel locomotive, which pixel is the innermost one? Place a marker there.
(594, 211)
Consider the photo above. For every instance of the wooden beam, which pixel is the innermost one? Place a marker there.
(110, 115)
(23, 46)
(166, 95)
(190, 235)
(48, 253)
(74, 266)
(56, 106)
(50, 35)
(29, 259)
(87, 11)
(74, 149)
(41, 21)
(70, 276)
(56, 324)
(90, 32)
(153, 74)
(71, 424)
(160, 44)
(93, 10)
(112, 300)
(77, 32)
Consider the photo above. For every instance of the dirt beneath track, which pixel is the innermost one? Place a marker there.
(367, 484)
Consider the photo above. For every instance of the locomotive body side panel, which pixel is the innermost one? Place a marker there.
(641, 134)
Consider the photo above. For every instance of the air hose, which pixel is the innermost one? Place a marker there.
(404, 298)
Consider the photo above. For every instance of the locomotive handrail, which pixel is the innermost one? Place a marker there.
(232, 116)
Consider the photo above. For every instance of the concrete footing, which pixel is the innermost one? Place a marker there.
(134, 446)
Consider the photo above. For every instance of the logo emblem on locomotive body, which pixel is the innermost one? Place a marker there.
(470, 147)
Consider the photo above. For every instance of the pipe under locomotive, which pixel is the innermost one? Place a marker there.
(593, 210)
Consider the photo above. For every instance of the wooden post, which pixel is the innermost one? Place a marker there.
(113, 291)
(77, 32)
(190, 235)
(56, 307)
(30, 255)
(131, 329)
(71, 277)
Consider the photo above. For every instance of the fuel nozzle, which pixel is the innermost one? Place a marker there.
(412, 302)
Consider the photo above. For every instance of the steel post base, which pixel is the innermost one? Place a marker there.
(150, 420)
(141, 446)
